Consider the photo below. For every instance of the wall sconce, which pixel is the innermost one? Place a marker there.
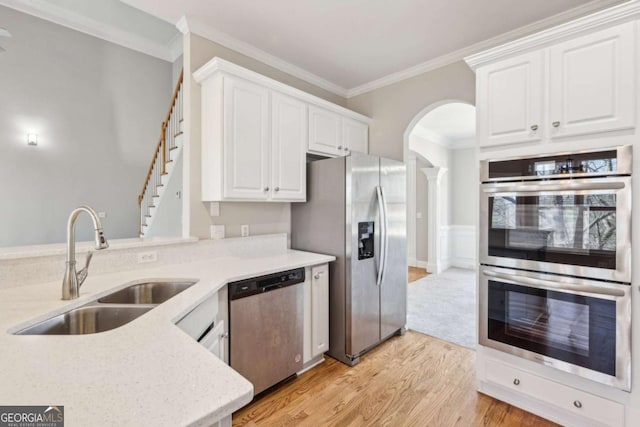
(32, 139)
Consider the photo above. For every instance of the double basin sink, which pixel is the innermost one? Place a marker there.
(109, 312)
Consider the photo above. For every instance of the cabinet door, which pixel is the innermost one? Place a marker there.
(214, 341)
(325, 132)
(592, 83)
(289, 136)
(510, 100)
(319, 309)
(246, 140)
(355, 136)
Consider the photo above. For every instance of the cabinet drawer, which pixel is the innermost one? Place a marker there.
(199, 319)
(564, 397)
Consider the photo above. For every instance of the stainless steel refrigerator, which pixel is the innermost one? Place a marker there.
(356, 211)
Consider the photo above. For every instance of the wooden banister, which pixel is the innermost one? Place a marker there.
(161, 148)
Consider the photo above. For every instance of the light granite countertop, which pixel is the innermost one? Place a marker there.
(147, 372)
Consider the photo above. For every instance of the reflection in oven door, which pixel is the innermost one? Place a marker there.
(580, 326)
(578, 227)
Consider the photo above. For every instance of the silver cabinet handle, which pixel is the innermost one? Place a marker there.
(555, 124)
(516, 381)
(577, 404)
(346, 148)
(339, 147)
(266, 188)
(224, 335)
(317, 275)
(534, 128)
(276, 189)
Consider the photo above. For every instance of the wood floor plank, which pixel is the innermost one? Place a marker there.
(412, 380)
(416, 273)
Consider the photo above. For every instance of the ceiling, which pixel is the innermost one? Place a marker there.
(110, 20)
(452, 125)
(352, 44)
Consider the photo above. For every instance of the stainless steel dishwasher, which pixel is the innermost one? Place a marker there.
(266, 327)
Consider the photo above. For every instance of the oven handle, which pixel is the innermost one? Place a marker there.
(547, 284)
(565, 186)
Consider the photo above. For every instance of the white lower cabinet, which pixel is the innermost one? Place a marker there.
(575, 402)
(316, 312)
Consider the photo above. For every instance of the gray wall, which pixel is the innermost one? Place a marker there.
(464, 186)
(262, 218)
(97, 109)
(393, 107)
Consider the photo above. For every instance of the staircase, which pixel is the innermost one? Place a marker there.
(165, 157)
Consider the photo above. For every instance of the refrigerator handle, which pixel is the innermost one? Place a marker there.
(383, 234)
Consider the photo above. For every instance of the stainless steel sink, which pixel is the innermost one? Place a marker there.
(146, 293)
(89, 319)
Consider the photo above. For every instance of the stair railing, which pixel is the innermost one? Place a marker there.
(171, 128)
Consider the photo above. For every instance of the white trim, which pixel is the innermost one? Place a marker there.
(75, 21)
(460, 54)
(219, 65)
(189, 24)
(448, 143)
(616, 14)
(176, 46)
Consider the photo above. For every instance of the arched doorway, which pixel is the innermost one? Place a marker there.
(440, 136)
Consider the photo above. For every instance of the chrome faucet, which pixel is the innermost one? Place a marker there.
(72, 279)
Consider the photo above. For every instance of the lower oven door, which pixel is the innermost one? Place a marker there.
(578, 326)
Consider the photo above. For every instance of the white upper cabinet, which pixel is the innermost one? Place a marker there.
(510, 100)
(355, 136)
(334, 135)
(289, 132)
(592, 83)
(325, 133)
(246, 143)
(256, 133)
(579, 86)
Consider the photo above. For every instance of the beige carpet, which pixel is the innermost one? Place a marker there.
(444, 306)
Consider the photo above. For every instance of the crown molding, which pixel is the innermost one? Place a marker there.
(611, 16)
(460, 54)
(191, 25)
(75, 21)
(218, 65)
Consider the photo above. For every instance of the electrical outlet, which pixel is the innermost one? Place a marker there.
(102, 214)
(144, 257)
(217, 232)
(244, 230)
(418, 215)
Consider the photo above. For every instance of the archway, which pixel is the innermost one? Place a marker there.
(439, 127)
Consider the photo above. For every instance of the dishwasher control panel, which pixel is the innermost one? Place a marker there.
(258, 285)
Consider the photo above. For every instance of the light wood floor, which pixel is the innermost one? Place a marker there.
(413, 380)
(416, 273)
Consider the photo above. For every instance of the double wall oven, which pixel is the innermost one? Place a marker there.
(555, 254)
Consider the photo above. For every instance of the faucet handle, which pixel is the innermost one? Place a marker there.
(82, 274)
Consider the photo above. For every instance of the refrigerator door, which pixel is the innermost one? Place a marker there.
(393, 290)
(362, 291)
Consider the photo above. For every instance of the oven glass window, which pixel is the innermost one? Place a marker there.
(567, 229)
(576, 329)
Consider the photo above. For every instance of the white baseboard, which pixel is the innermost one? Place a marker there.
(465, 263)
(421, 264)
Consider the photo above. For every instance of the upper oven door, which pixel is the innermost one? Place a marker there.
(578, 227)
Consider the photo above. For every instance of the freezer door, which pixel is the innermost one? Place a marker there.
(393, 290)
(363, 293)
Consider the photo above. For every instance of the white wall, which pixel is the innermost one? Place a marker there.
(464, 186)
(97, 109)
